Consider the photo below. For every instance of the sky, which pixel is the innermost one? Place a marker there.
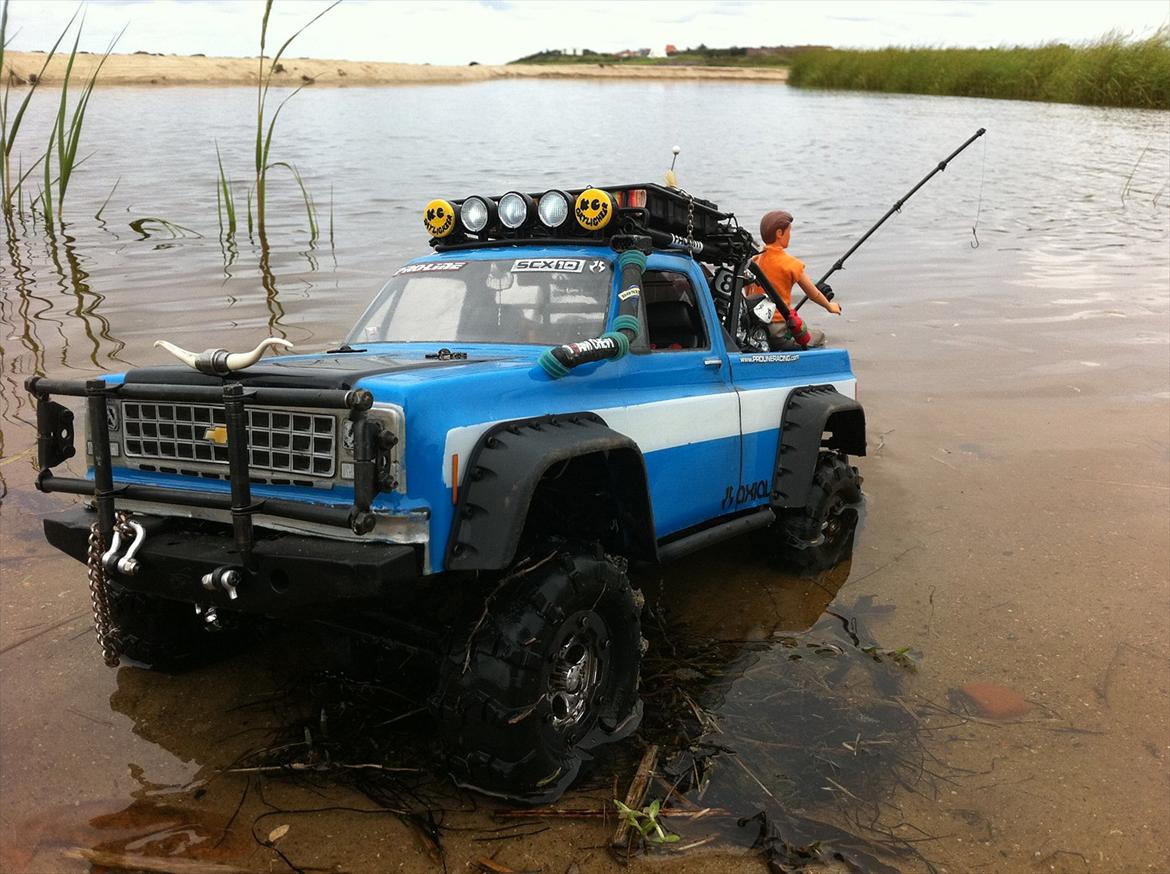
(496, 31)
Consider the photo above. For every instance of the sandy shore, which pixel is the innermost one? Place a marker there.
(142, 69)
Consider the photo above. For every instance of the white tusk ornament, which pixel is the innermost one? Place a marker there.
(220, 362)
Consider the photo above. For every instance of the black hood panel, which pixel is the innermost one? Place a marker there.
(338, 371)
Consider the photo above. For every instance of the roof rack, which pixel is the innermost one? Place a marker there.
(672, 218)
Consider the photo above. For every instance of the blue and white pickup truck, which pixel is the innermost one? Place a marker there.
(566, 384)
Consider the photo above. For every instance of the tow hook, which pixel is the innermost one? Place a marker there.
(127, 564)
(210, 618)
(226, 578)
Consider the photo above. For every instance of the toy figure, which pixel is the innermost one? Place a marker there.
(784, 271)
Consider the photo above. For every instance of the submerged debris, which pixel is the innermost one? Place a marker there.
(799, 740)
(991, 701)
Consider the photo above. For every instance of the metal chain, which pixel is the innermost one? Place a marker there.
(690, 217)
(99, 592)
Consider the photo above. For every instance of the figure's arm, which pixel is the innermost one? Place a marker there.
(815, 295)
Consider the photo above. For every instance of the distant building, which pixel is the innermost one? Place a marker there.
(671, 49)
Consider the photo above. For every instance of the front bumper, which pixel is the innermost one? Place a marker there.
(287, 572)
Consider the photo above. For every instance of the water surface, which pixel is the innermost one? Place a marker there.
(1016, 379)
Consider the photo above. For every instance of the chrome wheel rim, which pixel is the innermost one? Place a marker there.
(573, 680)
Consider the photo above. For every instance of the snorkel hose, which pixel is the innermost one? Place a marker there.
(794, 322)
(558, 361)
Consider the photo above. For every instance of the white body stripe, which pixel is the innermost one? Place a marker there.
(666, 424)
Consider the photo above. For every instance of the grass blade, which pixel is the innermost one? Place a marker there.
(310, 207)
(105, 203)
(224, 191)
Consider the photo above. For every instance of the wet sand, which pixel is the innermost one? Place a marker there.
(147, 69)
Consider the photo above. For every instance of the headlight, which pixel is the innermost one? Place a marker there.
(594, 209)
(553, 208)
(515, 209)
(439, 218)
(476, 213)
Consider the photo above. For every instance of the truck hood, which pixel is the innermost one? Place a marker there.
(339, 370)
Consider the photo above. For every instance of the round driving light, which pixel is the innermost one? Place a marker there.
(594, 209)
(476, 213)
(553, 208)
(439, 218)
(515, 209)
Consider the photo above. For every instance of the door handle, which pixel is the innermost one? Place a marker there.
(713, 362)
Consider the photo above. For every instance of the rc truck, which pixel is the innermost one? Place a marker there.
(570, 382)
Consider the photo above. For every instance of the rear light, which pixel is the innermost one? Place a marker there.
(632, 197)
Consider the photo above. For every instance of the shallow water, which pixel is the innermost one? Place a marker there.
(1018, 483)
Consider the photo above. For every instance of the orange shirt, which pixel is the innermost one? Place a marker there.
(781, 269)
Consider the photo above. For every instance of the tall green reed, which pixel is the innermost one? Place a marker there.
(264, 135)
(11, 185)
(1112, 71)
(64, 136)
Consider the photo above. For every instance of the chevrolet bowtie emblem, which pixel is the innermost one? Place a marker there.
(216, 435)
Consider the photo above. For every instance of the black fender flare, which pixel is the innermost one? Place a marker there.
(508, 463)
(808, 414)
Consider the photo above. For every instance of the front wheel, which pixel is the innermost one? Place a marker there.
(819, 535)
(547, 670)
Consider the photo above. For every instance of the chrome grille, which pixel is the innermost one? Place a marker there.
(284, 441)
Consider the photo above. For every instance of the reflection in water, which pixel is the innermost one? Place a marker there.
(77, 283)
(772, 704)
(789, 728)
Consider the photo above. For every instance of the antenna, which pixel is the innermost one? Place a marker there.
(671, 178)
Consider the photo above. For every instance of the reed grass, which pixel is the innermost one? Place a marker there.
(310, 205)
(264, 132)
(224, 200)
(64, 136)
(1112, 71)
(10, 186)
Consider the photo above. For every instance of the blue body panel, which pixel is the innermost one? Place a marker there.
(696, 414)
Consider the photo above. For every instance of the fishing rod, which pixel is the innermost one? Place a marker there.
(840, 263)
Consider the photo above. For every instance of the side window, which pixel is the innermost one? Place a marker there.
(673, 317)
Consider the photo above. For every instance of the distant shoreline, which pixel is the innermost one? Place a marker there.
(147, 69)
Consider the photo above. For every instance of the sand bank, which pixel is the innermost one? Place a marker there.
(144, 69)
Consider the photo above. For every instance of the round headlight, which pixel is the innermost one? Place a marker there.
(553, 208)
(514, 209)
(594, 209)
(439, 218)
(476, 213)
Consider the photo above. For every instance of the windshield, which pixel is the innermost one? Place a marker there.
(545, 301)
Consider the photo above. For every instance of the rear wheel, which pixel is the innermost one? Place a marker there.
(546, 671)
(819, 535)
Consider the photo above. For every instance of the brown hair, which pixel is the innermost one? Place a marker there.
(773, 223)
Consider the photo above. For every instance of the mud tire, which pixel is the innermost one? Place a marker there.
(836, 486)
(167, 635)
(500, 711)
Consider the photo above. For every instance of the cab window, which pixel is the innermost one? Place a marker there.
(673, 318)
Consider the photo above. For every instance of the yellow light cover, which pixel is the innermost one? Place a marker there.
(594, 209)
(439, 218)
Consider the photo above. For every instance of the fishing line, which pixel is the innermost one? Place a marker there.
(979, 208)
